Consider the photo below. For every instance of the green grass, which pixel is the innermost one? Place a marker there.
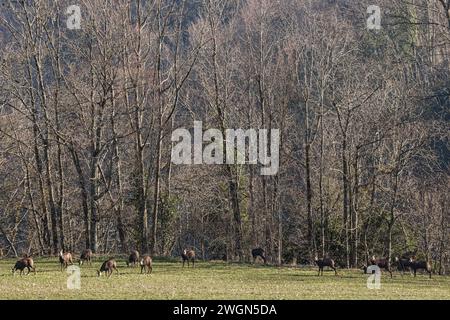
(213, 280)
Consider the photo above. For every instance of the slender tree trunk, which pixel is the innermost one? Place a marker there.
(392, 216)
(345, 199)
(84, 195)
(141, 185)
(142, 194)
(46, 231)
(251, 207)
(119, 223)
(355, 210)
(93, 192)
(322, 213)
(311, 240)
(156, 192)
(50, 193)
(32, 204)
(61, 197)
(443, 235)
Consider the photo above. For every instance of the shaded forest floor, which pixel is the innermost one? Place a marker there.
(213, 280)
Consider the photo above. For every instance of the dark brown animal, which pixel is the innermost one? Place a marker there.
(403, 264)
(325, 262)
(258, 252)
(86, 255)
(23, 263)
(418, 265)
(107, 267)
(188, 255)
(133, 259)
(382, 263)
(146, 265)
(65, 259)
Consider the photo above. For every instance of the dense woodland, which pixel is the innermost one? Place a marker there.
(86, 118)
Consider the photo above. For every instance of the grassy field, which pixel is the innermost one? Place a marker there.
(213, 281)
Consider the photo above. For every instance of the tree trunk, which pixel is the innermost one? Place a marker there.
(311, 240)
(84, 195)
(156, 191)
(345, 198)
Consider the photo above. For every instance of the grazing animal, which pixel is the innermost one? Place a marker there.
(258, 252)
(382, 263)
(133, 259)
(107, 267)
(146, 264)
(26, 262)
(188, 255)
(403, 264)
(417, 265)
(86, 255)
(65, 259)
(325, 262)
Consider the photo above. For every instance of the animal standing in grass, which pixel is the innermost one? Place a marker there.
(146, 265)
(325, 262)
(382, 263)
(86, 255)
(133, 259)
(107, 267)
(403, 265)
(258, 252)
(417, 265)
(65, 259)
(188, 255)
(26, 262)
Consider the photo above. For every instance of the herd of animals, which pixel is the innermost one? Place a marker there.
(107, 267)
(403, 264)
(145, 262)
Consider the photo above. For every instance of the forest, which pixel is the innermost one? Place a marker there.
(87, 116)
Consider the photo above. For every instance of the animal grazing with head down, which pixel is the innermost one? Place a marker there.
(25, 262)
(107, 267)
(133, 259)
